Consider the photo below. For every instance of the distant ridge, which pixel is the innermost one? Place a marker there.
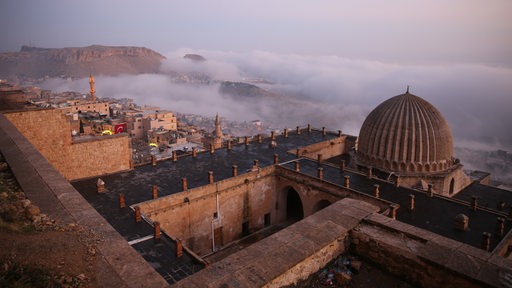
(32, 63)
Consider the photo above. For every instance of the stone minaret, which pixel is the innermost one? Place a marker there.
(217, 133)
(91, 91)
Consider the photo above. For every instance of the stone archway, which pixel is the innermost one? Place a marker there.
(294, 207)
(321, 205)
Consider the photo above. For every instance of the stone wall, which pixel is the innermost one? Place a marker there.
(50, 132)
(289, 255)
(328, 149)
(427, 259)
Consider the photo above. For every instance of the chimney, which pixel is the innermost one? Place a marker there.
(100, 186)
(138, 217)
(179, 248)
(324, 131)
(121, 201)
(174, 156)
(342, 165)
(392, 211)
(347, 181)
(297, 166)
(234, 170)
(309, 127)
(500, 227)
(285, 132)
(298, 130)
(376, 190)
(154, 190)
(486, 241)
(210, 177)
(184, 184)
(320, 173)
(319, 159)
(157, 230)
(411, 202)
(194, 152)
(153, 160)
(461, 222)
(276, 158)
(474, 203)
(430, 191)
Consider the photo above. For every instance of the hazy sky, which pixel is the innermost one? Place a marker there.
(404, 31)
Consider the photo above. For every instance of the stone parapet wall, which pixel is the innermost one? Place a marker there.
(119, 265)
(427, 259)
(50, 132)
(289, 255)
(328, 149)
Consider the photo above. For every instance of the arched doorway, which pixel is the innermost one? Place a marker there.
(321, 205)
(294, 208)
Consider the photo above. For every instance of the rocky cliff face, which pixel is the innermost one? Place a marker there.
(34, 62)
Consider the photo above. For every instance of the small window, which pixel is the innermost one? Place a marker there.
(267, 219)
(215, 215)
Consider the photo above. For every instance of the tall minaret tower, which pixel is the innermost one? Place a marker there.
(91, 91)
(217, 133)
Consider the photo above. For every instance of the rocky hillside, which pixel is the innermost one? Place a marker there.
(34, 63)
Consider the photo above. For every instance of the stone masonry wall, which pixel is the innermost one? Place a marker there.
(328, 149)
(427, 259)
(239, 199)
(50, 132)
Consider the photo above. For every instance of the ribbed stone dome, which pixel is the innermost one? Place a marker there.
(406, 134)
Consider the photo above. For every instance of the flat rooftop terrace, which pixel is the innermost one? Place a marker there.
(136, 186)
(435, 214)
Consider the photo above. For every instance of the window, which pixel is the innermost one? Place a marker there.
(267, 219)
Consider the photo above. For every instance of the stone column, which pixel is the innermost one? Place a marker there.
(235, 170)
(430, 191)
(370, 173)
(153, 160)
(339, 133)
(276, 158)
(121, 201)
(285, 132)
(500, 227)
(246, 141)
(309, 127)
(347, 181)
(212, 148)
(376, 190)
(320, 173)
(154, 190)
(229, 145)
(138, 216)
(174, 156)
(184, 184)
(210, 177)
(324, 131)
(157, 232)
(319, 159)
(342, 165)
(392, 211)
(100, 186)
(259, 138)
(273, 135)
(486, 241)
(179, 248)
(411, 202)
(474, 203)
(298, 130)
(194, 152)
(297, 166)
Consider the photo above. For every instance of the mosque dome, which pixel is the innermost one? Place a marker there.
(407, 135)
